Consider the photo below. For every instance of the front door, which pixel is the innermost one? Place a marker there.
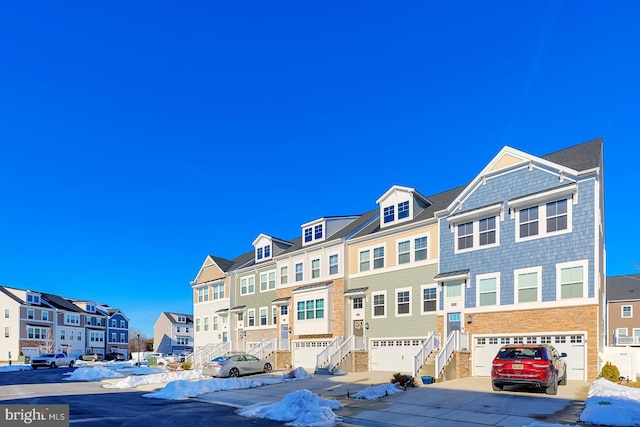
(358, 328)
(453, 322)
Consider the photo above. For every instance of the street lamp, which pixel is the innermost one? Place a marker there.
(138, 348)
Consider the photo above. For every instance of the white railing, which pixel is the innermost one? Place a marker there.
(627, 340)
(350, 344)
(323, 357)
(284, 344)
(455, 341)
(431, 343)
(264, 348)
(208, 352)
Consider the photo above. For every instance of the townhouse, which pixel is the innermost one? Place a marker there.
(173, 333)
(117, 332)
(623, 311)
(38, 322)
(514, 256)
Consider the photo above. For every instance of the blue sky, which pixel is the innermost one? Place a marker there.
(138, 137)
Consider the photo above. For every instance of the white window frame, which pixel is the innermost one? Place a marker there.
(384, 257)
(361, 261)
(516, 276)
(414, 250)
(406, 253)
(203, 294)
(284, 275)
(315, 269)
(422, 300)
(250, 282)
(474, 217)
(397, 302)
(481, 277)
(334, 267)
(622, 312)
(251, 314)
(218, 291)
(568, 193)
(618, 334)
(373, 306)
(205, 324)
(264, 314)
(31, 314)
(197, 324)
(301, 272)
(216, 322)
(585, 279)
(44, 315)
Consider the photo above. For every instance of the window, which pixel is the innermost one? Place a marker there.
(389, 214)
(333, 264)
(420, 248)
(251, 315)
(621, 332)
(317, 232)
(403, 209)
(404, 252)
(284, 275)
(198, 325)
(37, 333)
(203, 295)
(557, 216)
(206, 323)
(364, 260)
(357, 303)
(44, 315)
(571, 282)
(527, 285)
(454, 290)
(308, 234)
(259, 256)
(33, 299)
(378, 305)
(627, 311)
(311, 309)
(114, 337)
(299, 276)
(114, 323)
(123, 324)
(403, 300)
(315, 268)
(528, 222)
(6, 332)
(267, 251)
(487, 291)
(274, 315)
(378, 257)
(263, 316)
(215, 320)
(218, 291)
(465, 235)
(247, 285)
(263, 282)
(30, 314)
(284, 310)
(487, 231)
(6, 313)
(428, 299)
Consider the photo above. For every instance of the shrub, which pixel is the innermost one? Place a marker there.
(187, 365)
(403, 380)
(610, 372)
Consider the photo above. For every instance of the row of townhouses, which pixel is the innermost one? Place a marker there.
(39, 322)
(516, 255)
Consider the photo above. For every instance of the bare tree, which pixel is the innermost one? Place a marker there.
(138, 341)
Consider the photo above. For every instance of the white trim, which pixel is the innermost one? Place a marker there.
(475, 234)
(585, 278)
(480, 277)
(542, 220)
(422, 288)
(622, 316)
(397, 290)
(558, 193)
(476, 214)
(517, 272)
(386, 304)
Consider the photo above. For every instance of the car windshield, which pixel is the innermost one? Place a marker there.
(220, 359)
(48, 355)
(520, 353)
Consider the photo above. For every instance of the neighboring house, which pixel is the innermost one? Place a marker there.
(95, 326)
(70, 332)
(392, 295)
(117, 332)
(623, 310)
(173, 333)
(522, 257)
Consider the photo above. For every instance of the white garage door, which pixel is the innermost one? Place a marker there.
(393, 355)
(305, 352)
(485, 349)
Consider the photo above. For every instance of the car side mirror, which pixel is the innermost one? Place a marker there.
(563, 354)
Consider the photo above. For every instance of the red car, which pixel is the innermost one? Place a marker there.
(538, 365)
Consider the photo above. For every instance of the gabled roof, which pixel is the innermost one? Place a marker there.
(173, 317)
(223, 263)
(623, 288)
(11, 295)
(61, 303)
(580, 157)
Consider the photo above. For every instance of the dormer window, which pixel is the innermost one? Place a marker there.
(317, 234)
(401, 204)
(182, 319)
(263, 252)
(308, 234)
(33, 299)
(389, 214)
(403, 209)
(91, 308)
(313, 232)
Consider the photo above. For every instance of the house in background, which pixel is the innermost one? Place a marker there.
(70, 322)
(173, 333)
(623, 311)
(95, 325)
(117, 332)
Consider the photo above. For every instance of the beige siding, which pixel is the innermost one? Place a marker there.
(506, 161)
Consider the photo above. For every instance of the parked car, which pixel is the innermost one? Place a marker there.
(114, 356)
(180, 357)
(538, 365)
(234, 365)
(92, 357)
(52, 360)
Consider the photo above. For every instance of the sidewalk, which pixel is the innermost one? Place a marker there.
(458, 403)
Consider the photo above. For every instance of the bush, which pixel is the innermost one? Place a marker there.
(403, 380)
(187, 365)
(610, 372)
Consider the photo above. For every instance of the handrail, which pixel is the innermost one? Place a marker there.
(208, 352)
(263, 348)
(350, 344)
(455, 341)
(431, 343)
(323, 357)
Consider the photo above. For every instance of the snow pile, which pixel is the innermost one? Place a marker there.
(612, 404)
(378, 391)
(299, 408)
(93, 374)
(134, 381)
(183, 389)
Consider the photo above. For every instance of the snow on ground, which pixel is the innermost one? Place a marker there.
(608, 403)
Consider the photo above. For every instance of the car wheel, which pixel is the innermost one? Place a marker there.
(496, 387)
(71, 364)
(234, 373)
(53, 365)
(553, 388)
(267, 367)
(563, 380)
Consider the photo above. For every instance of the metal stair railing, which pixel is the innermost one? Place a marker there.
(431, 343)
(323, 357)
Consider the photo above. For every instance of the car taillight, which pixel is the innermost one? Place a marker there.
(541, 364)
(498, 363)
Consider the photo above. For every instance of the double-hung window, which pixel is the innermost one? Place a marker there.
(487, 231)
(428, 299)
(308, 234)
(557, 216)
(627, 311)
(263, 316)
(284, 275)
(315, 268)
(465, 235)
(365, 260)
(572, 282)
(389, 214)
(378, 257)
(251, 315)
(420, 248)
(403, 209)
(299, 272)
(404, 252)
(247, 285)
(488, 290)
(527, 285)
(333, 264)
(403, 301)
(528, 222)
(379, 305)
(317, 232)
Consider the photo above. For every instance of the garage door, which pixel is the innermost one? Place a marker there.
(393, 355)
(305, 352)
(485, 349)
